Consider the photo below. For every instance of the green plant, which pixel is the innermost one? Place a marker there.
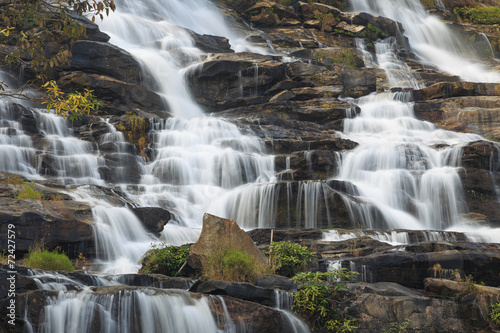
(479, 15)
(15, 180)
(289, 258)
(225, 262)
(28, 192)
(73, 105)
(317, 299)
(399, 327)
(495, 312)
(48, 260)
(326, 20)
(164, 259)
(341, 56)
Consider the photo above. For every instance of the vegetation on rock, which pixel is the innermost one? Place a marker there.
(289, 259)
(165, 259)
(28, 192)
(224, 262)
(495, 312)
(48, 260)
(318, 299)
(402, 327)
(479, 15)
(73, 105)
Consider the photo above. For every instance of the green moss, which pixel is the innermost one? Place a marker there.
(343, 56)
(428, 3)
(46, 260)
(163, 259)
(479, 15)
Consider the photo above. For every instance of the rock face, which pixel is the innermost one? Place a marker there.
(55, 221)
(384, 303)
(153, 218)
(217, 231)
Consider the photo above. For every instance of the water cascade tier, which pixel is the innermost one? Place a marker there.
(269, 116)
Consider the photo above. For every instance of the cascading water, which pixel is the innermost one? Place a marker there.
(203, 164)
(430, 39)
(397, 169)
(74, 161)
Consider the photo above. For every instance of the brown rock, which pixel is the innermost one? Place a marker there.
(218, 230)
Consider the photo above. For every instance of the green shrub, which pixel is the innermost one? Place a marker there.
(317, 299)
(495, 312)
(28, 192)
(290, 258)
(47, 260)
(163, 259)
(479, 15)
(399, 327)
(224, 262)
(342, 56)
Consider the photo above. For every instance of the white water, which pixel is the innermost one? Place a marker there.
(411, 184)
(142, 310)
(431, 39)
(74, 161)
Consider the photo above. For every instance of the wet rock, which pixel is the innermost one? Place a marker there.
(156, 281)
(454, 89)
(211, 44)
(153, 218)
(384, 303)
(113, 91)
(225, 77)
(105, 59)
(65, 224)
(410, 268)
(263, 236)
(275, 282)
(241, 290)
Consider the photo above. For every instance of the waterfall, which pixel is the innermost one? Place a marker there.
(17, 154)
(129, 311)
(396, 169)
(430, 38)
(71, 160)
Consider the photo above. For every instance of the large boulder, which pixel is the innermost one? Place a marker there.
(64, 224)
(154, 219)
(102, 58)
(218, 231)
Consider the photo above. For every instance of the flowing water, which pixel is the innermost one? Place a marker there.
(201, 164)
(430, 38)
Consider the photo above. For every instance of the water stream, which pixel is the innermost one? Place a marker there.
(204, 164)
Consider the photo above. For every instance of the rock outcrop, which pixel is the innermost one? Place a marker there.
(216, 232)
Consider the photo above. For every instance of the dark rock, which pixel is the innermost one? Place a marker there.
(385, 303)
(410, 268)
(154, 219)
(454, 89)
(263, 236)
(113, 91)
(211, 44)
(102, 58)
(271, 281)
(64, 224)
(241, 290)
(155, 281)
